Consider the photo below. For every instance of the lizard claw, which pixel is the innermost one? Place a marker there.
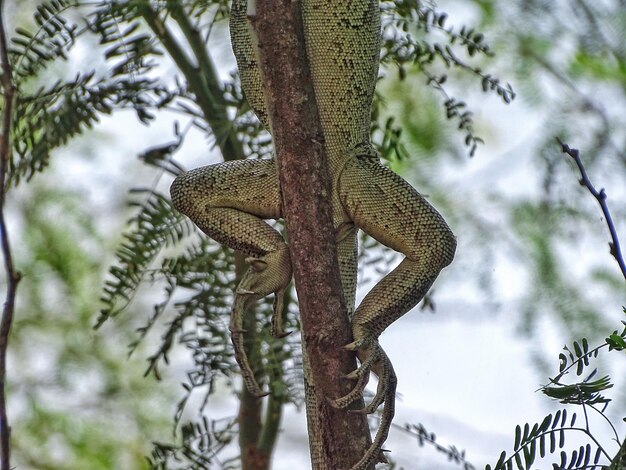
(354, 345)
(368, 357)
(373, 359)
(386, 393)
(269, 273)
(354, 394)
(277, 330)
(237, 337)
(370, 353)
(244, 292)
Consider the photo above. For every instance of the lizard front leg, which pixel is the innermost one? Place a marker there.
(228, 202)
(389, 209)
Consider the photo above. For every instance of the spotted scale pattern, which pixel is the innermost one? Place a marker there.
(230, 201)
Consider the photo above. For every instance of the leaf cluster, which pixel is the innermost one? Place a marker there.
(200, 443)
(547, 437)
(407, 41)
(49, 116)
(32, 52)
(585, 392)
(155, 226)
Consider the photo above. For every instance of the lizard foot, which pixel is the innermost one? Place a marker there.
(237, 336)
(386, 393)
(267, 274)
(361, 374)
(277, 330)
(372, 358)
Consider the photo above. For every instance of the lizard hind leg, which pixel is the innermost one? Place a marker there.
(389, 209)
(228, 202)
(386, 207)
(258, 282)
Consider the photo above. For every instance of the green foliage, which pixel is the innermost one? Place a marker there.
(51, 115)
(408, 41)
(586, 391)
(71, 388)
(579, 355)
(548, 436)
(30, 52)
(155, 226)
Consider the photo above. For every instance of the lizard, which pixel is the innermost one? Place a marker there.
(231, 201)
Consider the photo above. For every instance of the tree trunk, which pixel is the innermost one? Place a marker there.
(337, 438)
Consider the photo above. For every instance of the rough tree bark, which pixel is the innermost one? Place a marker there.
(337, 439)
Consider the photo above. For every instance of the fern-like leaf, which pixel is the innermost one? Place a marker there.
(156, 226)
(530, 443)
(200, 442)
(401, 47)
(586, 392)
(31, 52)
(50, 116)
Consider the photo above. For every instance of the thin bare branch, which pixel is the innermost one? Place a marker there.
(600, 196)
(12, 275)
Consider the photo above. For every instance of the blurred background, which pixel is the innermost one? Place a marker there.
(532, 272)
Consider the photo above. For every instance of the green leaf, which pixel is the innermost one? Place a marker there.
(616, 342)
(545, 424)
(518, 437)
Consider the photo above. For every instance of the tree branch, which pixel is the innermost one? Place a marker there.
(201, 77)
(337, 439)
(614, 245)
(619, 461)
(12, 276)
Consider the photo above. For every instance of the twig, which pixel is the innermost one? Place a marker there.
(13, 277)
(424, 437)
(600, 196)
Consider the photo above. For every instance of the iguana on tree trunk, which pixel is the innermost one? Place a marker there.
(229, 201)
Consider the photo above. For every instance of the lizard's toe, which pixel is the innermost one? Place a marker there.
(368, 357)
(357, 344)
(267, 274)
(237, 335)
(277, 330)
(358, 372)
(387, 394)
(352, 395)
(386, 379)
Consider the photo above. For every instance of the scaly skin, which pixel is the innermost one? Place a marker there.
(230, 201)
